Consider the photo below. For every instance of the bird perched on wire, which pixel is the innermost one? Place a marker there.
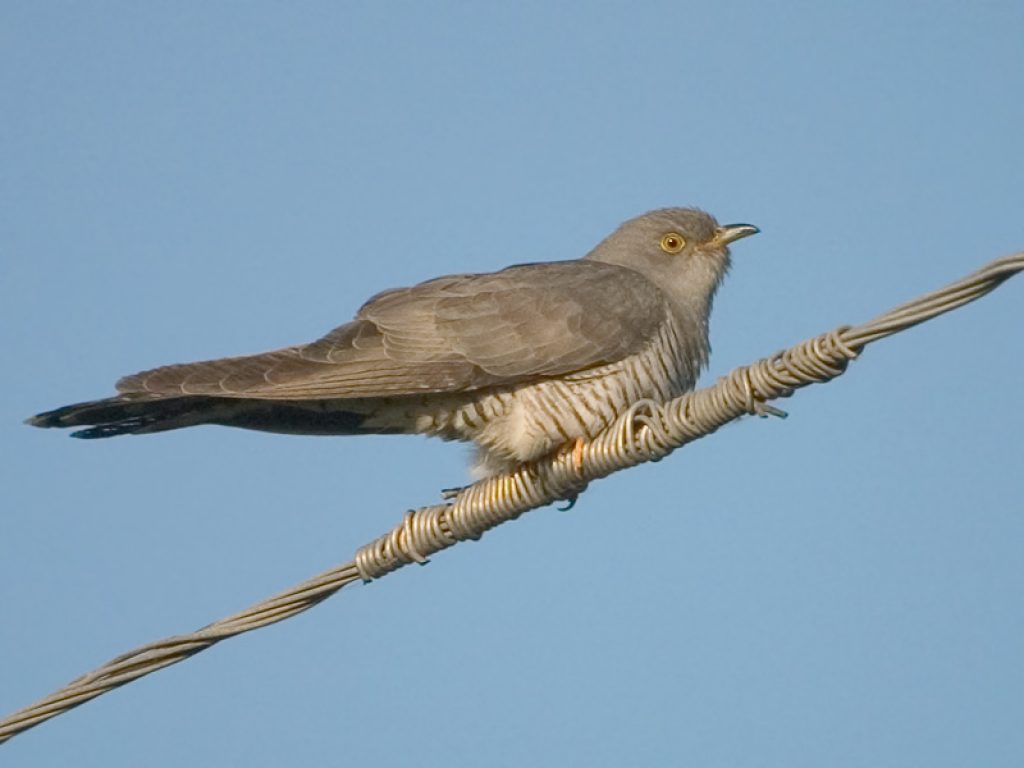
(521, 362)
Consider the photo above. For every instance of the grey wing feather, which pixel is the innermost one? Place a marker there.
(454, 333)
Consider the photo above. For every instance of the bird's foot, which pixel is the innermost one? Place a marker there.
(574, 450)
(449, 494)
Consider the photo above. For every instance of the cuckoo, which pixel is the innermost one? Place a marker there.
(522, 362)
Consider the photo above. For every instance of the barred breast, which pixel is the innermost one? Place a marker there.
(514, 425)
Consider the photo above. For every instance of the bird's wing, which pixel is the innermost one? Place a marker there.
(451, 334)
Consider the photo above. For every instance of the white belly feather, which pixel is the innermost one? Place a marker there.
(519, 424)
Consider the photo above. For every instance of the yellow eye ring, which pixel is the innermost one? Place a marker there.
(673, 242)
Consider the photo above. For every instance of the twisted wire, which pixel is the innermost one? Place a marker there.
(648, 431)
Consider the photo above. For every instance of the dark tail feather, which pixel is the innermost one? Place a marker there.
(117, 416)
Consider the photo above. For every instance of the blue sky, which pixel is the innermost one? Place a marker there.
(192, 180)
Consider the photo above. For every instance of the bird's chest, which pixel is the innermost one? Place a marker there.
(529, 421)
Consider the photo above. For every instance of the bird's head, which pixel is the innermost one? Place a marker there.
(683, 251)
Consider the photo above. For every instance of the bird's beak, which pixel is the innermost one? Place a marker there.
(730, 233)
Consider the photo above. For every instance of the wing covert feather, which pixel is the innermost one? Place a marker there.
(454, 333)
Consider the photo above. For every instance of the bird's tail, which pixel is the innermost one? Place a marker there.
(119, 416)
(133, 416)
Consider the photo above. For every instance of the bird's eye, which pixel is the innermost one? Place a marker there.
(672, 243)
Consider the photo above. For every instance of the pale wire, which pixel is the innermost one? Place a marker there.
(647, 432)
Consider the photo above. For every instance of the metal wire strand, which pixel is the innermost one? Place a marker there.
(647, 432)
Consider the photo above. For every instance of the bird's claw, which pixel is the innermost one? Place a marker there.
(569, 503)
(449, 494)
(764, 410)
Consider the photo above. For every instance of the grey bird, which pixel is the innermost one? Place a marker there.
(521, 362)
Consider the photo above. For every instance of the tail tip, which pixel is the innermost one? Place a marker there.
(41, 420)
(101, 419)
(126, 427)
